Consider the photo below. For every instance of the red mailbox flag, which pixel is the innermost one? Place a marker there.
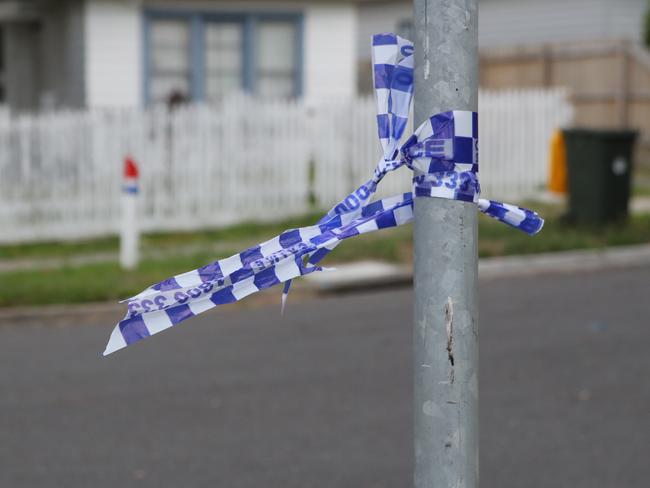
(130, 175)
(130, 168)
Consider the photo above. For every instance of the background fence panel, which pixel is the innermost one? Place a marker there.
(245, 159)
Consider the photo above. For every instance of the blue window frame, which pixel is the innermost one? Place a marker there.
(201, 55)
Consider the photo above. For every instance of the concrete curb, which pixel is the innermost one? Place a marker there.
(56, 312)
(565, 262)
(370, 274)
(360, 275)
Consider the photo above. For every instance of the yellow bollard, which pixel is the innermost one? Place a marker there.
(557, 181)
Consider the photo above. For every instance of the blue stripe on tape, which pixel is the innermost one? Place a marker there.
(266, 279)
(223, 296)
(383, 126)
(384, 39)
(133, 329)
(383, 75)
(464, 150)
(210, 272)
(402, 79)
(179, 313)
(168, 284)
(290, 238)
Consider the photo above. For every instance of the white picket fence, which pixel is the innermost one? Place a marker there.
(209, 166)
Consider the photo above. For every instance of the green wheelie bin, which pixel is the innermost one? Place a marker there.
(599, 165)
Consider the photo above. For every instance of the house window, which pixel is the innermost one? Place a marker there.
(277, 59)
(223, 59)
(196, 57)
(170, 61)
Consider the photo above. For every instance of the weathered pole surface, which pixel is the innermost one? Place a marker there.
(446, 285)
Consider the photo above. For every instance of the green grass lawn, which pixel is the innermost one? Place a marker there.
(245, 232)
(105, 281)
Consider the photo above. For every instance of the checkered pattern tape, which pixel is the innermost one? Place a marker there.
(228, 280)
(443, 154)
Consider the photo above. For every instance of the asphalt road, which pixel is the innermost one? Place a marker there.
(322, 396)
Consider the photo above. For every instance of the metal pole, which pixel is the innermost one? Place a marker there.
(446, 286)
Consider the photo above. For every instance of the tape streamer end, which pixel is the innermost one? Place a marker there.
(284, 302)
(539, 227)
(285, 295)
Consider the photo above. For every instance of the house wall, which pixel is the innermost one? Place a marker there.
(113, 47)
(374, 18)
(522, 22)
(330, 33)
(508, 22)
(113, 69)
(377, 17)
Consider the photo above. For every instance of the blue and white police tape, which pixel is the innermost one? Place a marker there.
(443, 154)
(228, 280)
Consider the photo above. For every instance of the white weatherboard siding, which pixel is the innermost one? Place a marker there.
(512, 22)
(505, 23)
(380, 17)
(113, 47)
(329, 54)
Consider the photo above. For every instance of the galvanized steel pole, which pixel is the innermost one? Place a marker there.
(446, 285)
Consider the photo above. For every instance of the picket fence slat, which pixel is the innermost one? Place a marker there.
(244, 159)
